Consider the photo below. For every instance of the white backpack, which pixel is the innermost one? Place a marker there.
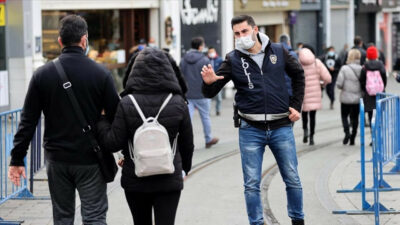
(151, 150)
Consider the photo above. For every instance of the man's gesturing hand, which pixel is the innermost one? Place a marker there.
(209, 75)
(14, 174)
(294, 115)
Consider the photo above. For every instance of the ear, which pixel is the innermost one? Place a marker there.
(256, 29)
(60, 42)
(83, 41)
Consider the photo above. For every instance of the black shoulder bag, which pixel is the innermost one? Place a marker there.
(106, 159)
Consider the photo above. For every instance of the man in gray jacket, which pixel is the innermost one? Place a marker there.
(191, 66)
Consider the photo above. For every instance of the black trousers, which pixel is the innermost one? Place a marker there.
(64, 179)
(163, 203)
(304, 118)
(352, 111)
(330, 88)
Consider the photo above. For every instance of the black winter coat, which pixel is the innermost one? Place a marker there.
(370, 101)
(151, 79)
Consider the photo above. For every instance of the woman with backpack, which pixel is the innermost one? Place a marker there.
(315, 72)
(372, 80)
(152, 79)
(349, 82)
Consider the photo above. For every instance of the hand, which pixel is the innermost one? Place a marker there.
(121, 162)
(14, 174)
(209, 75)
(294, 115)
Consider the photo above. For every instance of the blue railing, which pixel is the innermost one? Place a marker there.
(386, 148)
(386, 139)
(8, 127)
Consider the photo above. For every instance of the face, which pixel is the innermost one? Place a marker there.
(244, 29)
(211, 52)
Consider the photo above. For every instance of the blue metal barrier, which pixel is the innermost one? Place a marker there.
(385, 139)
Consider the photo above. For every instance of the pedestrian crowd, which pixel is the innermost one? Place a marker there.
(149, 122)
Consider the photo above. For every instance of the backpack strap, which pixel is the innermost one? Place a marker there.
(163, 105)
(139, 110)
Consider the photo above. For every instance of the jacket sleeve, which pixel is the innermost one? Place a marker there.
(383, 75)
(363, 78)
(110, 97)
(224, 70)
(185, 141)
(340, 78)
(113, 137)
(30, 116)
(324, 73)
(295, 71)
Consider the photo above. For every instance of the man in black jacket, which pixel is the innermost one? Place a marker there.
(257, 68)
(71, 162)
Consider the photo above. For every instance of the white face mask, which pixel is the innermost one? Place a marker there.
(212, 55)
(245, 42)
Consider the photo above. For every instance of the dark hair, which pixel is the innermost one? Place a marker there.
(284, 38)
(240, 19)
(71, 29)
(211, 47)
(309, 47)
(197, 42)
(357, 40)
(330, 48)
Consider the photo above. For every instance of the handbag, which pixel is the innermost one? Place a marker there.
(106, 160)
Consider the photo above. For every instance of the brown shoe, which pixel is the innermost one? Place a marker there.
(212, 142)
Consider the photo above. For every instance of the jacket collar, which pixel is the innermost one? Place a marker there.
(73, 49)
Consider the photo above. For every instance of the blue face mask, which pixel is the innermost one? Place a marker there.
(331, 53)
(87, 46)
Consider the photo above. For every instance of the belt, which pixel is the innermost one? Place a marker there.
(264, 117)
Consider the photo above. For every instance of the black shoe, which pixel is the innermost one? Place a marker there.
(297, 222)
(218, 113)
(352, 139)
(346, 139)
(305, 137)
(311, 140)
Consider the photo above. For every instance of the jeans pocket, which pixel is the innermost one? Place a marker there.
(244, 124)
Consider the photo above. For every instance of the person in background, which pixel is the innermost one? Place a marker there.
(299, 46)
(314, 72)
(396, 69)
(332, 63)
(359, 44)
(372, 64)
(191, 66)
(343, 54)
(216, 61)
(381, 55)
(284, 39)
(152, 43)
(349, 82)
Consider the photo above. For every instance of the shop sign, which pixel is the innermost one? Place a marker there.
(266, 5)
(389, 4)
(201, 18)
(2, 15)
(4, 88)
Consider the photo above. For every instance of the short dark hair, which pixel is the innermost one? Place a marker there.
(240, 19)
(197, 42)
(330, 48)
(357, 40)
(71, 29)
(284, 38)
(211, 47)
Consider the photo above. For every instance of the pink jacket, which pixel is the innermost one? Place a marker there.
(314, 72)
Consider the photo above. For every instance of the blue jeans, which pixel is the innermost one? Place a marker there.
(218, 100)
(203, 105)
(252, 143)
